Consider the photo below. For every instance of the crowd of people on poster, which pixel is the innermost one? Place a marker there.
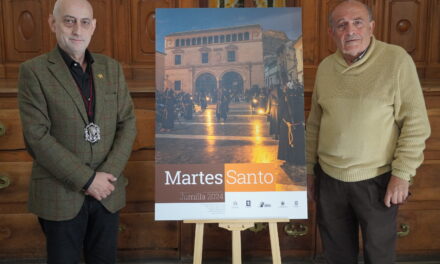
(282, 103)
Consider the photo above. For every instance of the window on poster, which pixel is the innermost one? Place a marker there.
(177, 85)
(231, 55)
(177, 59)
(204, 57)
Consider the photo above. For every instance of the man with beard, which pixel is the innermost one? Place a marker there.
(79, 127)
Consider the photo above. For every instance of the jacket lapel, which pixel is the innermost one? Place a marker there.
(98, 71)
(60, 71)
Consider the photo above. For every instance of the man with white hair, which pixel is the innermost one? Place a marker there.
(366, 133)
(79, 126)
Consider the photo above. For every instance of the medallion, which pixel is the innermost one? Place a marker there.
(92, 133)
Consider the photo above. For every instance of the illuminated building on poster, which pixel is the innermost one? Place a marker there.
(204, 60)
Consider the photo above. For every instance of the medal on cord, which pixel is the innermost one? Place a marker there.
(92, 132)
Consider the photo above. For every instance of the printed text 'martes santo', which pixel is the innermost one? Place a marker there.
(232, 177)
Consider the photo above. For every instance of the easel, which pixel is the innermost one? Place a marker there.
(236, 226)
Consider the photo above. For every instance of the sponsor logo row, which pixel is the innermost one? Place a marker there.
(264, 204)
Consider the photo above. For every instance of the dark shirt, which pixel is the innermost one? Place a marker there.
(84, 82)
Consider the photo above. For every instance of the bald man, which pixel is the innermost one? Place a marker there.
(79, 126)
(365, 138)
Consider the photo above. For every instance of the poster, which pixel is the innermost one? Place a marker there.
(230, 140)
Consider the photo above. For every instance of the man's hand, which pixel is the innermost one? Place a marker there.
(397, 191)
(101, 186)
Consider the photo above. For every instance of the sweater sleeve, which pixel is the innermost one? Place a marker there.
(312, 132)
(412, 119)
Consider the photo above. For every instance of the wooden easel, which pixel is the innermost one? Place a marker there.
(236, 226)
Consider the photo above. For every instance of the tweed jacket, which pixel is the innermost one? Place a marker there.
(53, 117)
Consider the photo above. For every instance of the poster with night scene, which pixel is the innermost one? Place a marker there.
(230, 138)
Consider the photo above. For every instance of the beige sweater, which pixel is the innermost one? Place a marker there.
(367, 118)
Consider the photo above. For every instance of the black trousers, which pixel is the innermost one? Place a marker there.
(92, 232)
(343, 207)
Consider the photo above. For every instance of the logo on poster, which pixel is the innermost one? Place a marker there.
(264, 205)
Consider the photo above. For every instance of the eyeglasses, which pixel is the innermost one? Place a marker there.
(70, 22)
